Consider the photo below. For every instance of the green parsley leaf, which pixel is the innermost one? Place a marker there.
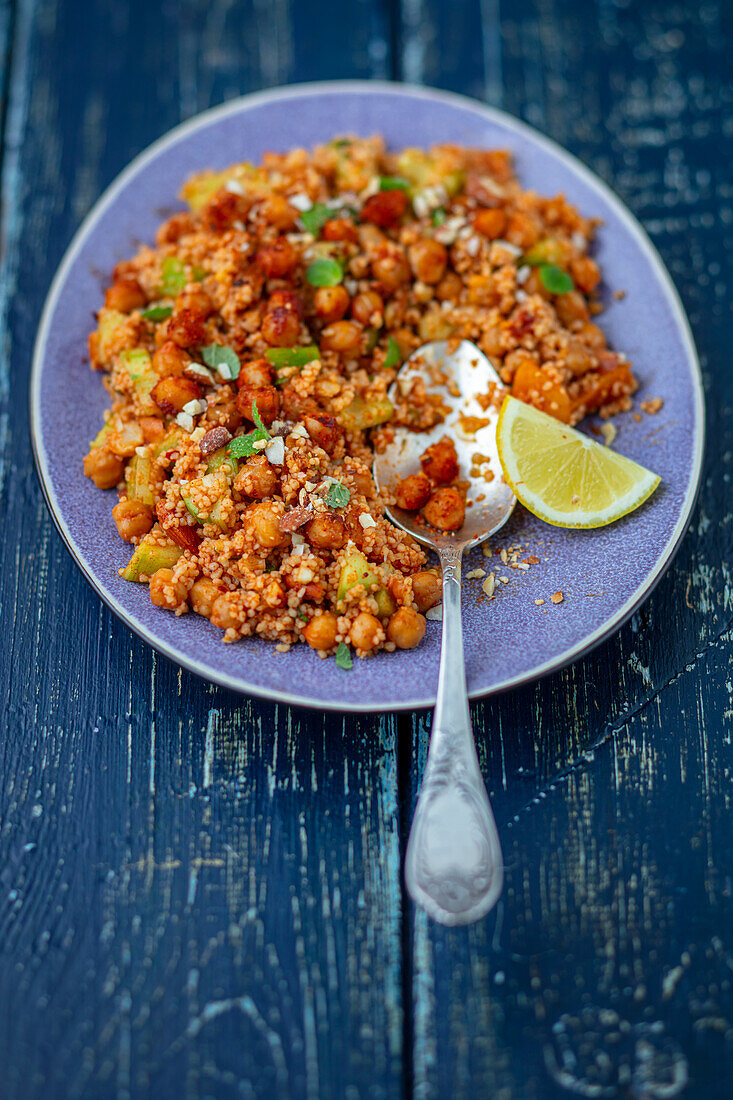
(555, 279)
(157, 313)
(343, 656)
(438, 216)
(243, 446)
(324, 272)
(393, 183)
(338, 496)
(315, 218)
(174, 276)
(292, 357)
(222, 359)
(393, 356)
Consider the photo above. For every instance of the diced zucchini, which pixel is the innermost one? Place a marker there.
(429, 169)
(138, 365)
(109, 323)
(222, 460)
(168, 442)
(386, 605)
(355, 570)
(361, 413)
(550, 250)
(204, 485)
(102, 435)
(151, 556)
(201, 187)
(139, 477)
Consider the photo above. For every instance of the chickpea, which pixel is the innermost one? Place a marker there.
(176, 227)
(368, 308)
(362, 482)
(366, 630)
(449, 288)
(385, 208)
(445, 510)
(571, 307)
(104, 468)
(280, 327)
(490, 223)
(125, 295)
(267, 399)
(152, 428)
(224, 613)
(326, 531)
(186, 328)
(257, 478)
(277, 259)
(225, 208)
(412, 492)
(277, 211)
(428, 259)
(257, 372)
(427, 589)
(321, 631)
(342, 336)
(340, 229)
(133, 519)
(286, 299)
(406, 628)
(164, 592)
(265, 522)
(586, 273)
(195, 299)
(391, 269)
(522, 230)
(331, 303)
(592, 336)
(172, 393)
(440, 461)
(204, 595)
(578, 358)
(169, 359)
(323, 430)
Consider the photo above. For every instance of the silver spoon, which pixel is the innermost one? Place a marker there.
(454, 867)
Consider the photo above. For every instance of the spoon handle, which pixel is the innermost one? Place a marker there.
(454, 867)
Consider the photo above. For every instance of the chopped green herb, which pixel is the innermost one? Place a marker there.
(199, 273)
(340, 143)
(302, 615)
(555, 279)
(324, 272)
(438, 216)
(315, 218)
(157, 313)
(393, 356)
(242, 446)
(291, 357)
(393, 183)
(343, 656)
(174, 276)
(222, 359)
(338, 495)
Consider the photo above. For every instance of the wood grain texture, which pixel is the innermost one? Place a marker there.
(200, 895)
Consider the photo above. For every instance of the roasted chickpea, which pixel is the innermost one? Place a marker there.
(331, 303)
(169, 359)
(125, 295)
(264, 519)
(391, 269)
(203, 596)
(586, 273)
(406, 628)
(321, 631)
(578, 358)
(343, 337)
(445, 509)
(571, 307)
(490, 223)
(195, 299)
(152, 428)
(366, 630)
(522, 230)
(368, 308)
(224, 209)
(257, 478)
(449, 288)
(186, 328)
(104, 468)
(286, 299)
(340, 229)
(427, 589)
(277, 211)
(277, 259)
(133, 519)
(280, 327)
(440, 461)
(267, 399)
(175, 228)
(323, 430)
(412, 492)
(172, 393)
(326, 531)
(224, 612)
(385, 208)
(592, 336)
(165, 592)
(257, 372)
(428, 259)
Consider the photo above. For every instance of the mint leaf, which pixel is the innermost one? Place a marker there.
(174, 276)
(222, 359)
(338, 496)
(393, 356)
(393, 183)
(243, 446)
(343, 656)
(555, 280)
(157, 313)
(324, 272)
(258, 419)
(315, 218)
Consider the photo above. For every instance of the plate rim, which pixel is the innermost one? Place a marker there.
(367, 87)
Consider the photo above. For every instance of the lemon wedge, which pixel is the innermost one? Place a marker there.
(563, 476)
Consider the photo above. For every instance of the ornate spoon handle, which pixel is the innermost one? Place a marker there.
(454, 867)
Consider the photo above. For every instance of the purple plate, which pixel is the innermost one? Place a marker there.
(510, 640)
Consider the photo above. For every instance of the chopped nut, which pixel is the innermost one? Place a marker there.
(539, 602)
(488, 585)
(214, 439)
(557, 597)
(475, 573)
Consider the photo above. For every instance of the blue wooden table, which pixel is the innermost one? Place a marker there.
(201, 895)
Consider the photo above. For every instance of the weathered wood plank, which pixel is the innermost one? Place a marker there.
(199, 895)
(605, 777)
